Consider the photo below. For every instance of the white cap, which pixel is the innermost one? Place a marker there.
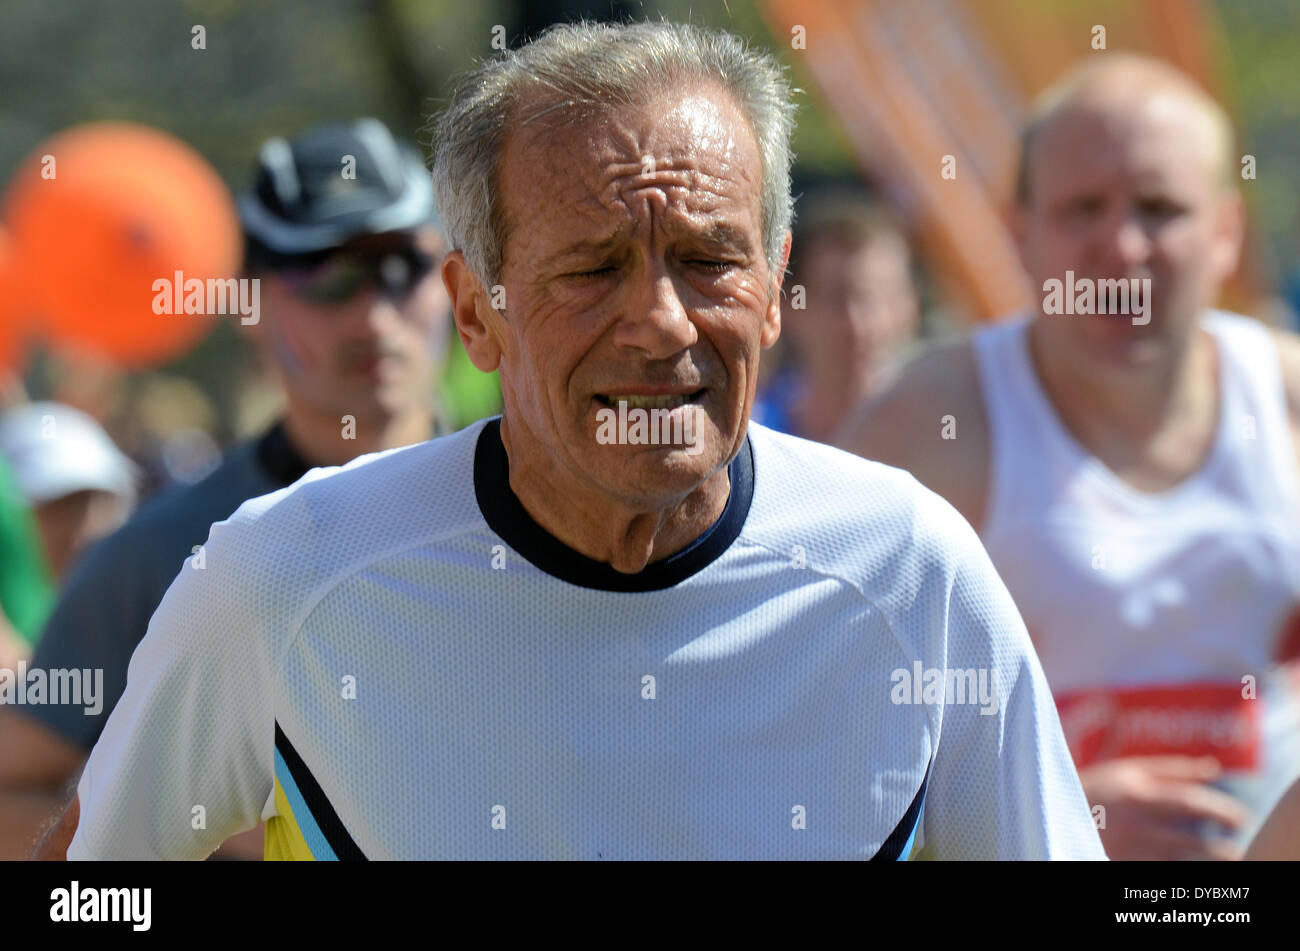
(56, 450)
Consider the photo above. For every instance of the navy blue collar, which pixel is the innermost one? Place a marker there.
(507, 517)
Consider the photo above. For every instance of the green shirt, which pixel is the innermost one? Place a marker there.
(26, 590)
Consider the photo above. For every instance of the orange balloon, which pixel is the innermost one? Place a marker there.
(15, 308)
(100, 213)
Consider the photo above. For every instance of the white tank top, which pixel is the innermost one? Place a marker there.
(1151, 611)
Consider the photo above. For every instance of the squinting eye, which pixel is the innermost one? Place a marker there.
(599, 272)
(716, 266)
(1085, 206)
(1158, 207)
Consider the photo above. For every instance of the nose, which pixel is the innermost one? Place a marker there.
(861, 313)
(371, 313)
(654, 320)
(1127, 241)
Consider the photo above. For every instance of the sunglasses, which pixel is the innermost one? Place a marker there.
(338, 276)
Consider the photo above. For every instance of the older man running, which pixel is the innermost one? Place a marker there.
(617, 622)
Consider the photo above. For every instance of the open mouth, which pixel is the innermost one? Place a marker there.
(665, 401)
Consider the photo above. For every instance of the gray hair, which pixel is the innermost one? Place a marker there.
(575, 69)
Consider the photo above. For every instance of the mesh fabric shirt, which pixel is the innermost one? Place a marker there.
(392, 660)
(115, 586)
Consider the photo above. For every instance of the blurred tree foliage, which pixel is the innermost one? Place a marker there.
(1260, 65)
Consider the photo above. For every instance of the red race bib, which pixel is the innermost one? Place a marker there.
(1184, 720)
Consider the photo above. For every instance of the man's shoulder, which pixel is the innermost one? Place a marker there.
(165, 528)
(867, 517)
(794, 458)
(379, 500)
(116, 584)
(1286, 342)
(943, 367)
(931, 421)
(940, 379)
(213, 497)
(1288, 351)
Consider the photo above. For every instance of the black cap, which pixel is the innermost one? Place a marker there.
(308, 199)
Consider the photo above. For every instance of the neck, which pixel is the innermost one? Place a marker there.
(625, 536)
(323, 439)
(1127, 403)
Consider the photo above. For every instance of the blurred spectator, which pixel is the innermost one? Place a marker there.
(354, 318)
(89, 382)
(174, 423)
(850, 264)
(26, 589)
(79, 484)
(1133, 464)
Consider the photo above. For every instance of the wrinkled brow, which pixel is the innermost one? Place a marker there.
(717, 233)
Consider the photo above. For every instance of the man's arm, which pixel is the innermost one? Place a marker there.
(32, 754)
(1155, 805)
(185, 760)
(1003, 783)
(36, 764)
(931, 422)
(53, 845)
(98, 620)
(1288, 349)
(1279, 837)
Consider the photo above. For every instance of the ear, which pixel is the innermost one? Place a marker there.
(772, 319)
(473, 312)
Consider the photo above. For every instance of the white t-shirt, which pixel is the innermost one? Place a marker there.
(392, 660)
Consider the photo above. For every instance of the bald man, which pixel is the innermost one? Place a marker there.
(1129, 457)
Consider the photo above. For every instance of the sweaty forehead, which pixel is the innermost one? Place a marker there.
(1155, 137)
(688, 158)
